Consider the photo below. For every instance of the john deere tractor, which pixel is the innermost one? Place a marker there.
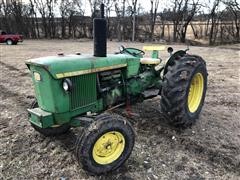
(77, 90)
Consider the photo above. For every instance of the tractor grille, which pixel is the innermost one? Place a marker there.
(84, 90)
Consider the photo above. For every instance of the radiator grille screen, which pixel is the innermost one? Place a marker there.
(84, 90)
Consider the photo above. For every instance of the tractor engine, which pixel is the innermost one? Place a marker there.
(114, 88)
(111, 87)
(145, 80)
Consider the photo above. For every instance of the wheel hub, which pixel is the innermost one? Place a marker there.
(108, 147)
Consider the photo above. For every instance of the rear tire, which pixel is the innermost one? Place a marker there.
(51, 131)
(106, 144)
(180, 105)
(9, 42)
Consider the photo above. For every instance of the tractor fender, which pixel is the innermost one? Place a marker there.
(172, 58)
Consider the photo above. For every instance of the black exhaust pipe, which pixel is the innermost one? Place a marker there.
(100, 35)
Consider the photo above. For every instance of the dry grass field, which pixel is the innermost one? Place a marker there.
(208, 150)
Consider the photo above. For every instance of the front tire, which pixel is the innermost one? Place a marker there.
(105, 145)
(184, 89)
(50, 131)
(9, 42)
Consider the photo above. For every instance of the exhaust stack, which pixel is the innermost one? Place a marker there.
(100, 35)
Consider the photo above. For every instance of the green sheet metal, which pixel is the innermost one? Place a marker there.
(41, 118)
(73, 65)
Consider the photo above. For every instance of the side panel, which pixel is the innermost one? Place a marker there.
(133, 65)
(49, 92)
(52, 98)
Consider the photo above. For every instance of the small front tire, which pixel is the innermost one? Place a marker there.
(106, 144)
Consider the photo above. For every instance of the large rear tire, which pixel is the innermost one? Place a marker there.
(184, 89)
(106, 144)
(51, 131)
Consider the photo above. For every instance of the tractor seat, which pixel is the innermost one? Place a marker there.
(150, 61)
(154, 60)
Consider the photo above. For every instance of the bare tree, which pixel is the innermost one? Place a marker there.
(6, 11)
(132, 10)
(46, 9)
(190, 9)
(214, 18)
(15, 17)
(134, 7)
(68, 9)
(153, 16)
(17, 13)
(42, 9)
(120, 15)
(51, 4)
(166, 17)
(109, 7)
(176, 17)
(183, 13)
(34, 19)
(1, 14)
(94, 4)
(64, 5)
(234, 7)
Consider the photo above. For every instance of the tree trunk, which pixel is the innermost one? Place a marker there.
(174, 32)
(183, 34)
(133, 27)
(211, 33)
(163, 31)
(194, 32)
(63, 27)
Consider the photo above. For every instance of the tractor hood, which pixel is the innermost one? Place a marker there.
(72, 65)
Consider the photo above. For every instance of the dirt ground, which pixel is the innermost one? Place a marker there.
(208, 150)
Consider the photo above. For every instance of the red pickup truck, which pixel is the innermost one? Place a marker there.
(10, 39)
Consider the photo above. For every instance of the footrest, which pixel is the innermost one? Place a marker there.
(41, 118)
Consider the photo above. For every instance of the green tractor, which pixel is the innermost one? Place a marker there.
(77, 90)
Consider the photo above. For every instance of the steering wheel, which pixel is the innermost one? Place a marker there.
(132, 51)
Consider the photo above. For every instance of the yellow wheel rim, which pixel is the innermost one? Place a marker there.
(108, 147)
(195, 92)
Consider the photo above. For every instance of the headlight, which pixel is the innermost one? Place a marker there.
(37, 76)
(67, 85)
